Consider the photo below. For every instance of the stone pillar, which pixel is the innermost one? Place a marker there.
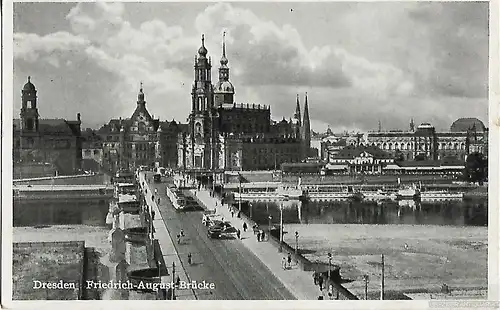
(118, 246)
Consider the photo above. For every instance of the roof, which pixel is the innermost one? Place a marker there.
(124, 198)
(302, 165)
(335, 167)
(467, 123)
(125, 184)
(52, 126)
(354, 151)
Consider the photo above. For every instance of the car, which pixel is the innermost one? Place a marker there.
(209, 217)
(221, 229)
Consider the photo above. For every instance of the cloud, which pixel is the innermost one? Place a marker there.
(30, 47)
(385, 61)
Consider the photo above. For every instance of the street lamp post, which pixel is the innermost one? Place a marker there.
(329, 265)
(296, 242)
(281, 226)
(365, 278)
(239, 190)
(251, 212)
(269, 226)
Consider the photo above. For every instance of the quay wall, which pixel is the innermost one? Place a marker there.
(306, 265)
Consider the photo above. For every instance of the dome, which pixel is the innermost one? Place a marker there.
(223, 60)
(464, 124)
(29, 86)
(202, 50)
(224, 86)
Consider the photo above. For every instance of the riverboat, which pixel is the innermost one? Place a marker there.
(441, 195)
(408, 193)
(380, 195)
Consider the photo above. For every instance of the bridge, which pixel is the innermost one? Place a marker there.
(45, 192)
(79, 179)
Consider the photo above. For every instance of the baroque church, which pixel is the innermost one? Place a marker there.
(44, 146)
(224, 135)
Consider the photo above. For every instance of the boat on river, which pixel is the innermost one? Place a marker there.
(408, 193)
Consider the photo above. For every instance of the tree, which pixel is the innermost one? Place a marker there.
(399, 156)
(420, 157)
(476, 168)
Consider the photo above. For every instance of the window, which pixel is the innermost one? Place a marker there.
(29, 124)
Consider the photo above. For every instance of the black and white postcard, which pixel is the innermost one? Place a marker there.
(339, 153)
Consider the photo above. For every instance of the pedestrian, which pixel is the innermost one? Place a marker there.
(158, 200)
(320, 282)
(245, 226)
(190, 261)
(152, 214)
(263, 235)
(177, 281)
(156, 191)
(178, 239)
(283, 263)
(232, 213)
(182, 233)
(258, 236)
(289, 260)
(239, 214)
(315, 277)
(153, 197)
(238, 234)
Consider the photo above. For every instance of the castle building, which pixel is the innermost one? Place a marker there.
(56, 142)
(225, 135)
(140, 140)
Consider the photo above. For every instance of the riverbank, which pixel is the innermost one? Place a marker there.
(418, 258)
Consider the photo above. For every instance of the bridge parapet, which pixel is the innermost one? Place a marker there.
(40, 192)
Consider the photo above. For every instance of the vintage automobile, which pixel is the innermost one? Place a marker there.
(209, 217)
(221, 229)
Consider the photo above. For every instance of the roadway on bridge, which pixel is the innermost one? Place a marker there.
(237, 273)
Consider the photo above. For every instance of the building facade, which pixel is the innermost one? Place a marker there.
(49, 141)
(140, 140)
(224, 135)
(466, 135)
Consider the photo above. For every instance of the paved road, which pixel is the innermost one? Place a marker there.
(237, 273)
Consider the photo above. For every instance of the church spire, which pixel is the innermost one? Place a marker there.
(223, 60)
(306, 113)
(306, 130)
(297, 111)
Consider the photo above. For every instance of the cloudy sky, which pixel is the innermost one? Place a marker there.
(359, 62)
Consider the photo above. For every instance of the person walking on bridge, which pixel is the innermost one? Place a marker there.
(245, 227)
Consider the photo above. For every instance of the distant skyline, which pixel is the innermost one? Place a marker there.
(358, 62)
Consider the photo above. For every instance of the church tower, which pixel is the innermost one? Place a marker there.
(29, 110)
(224, 90)
(202, 92)
(202, 120)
